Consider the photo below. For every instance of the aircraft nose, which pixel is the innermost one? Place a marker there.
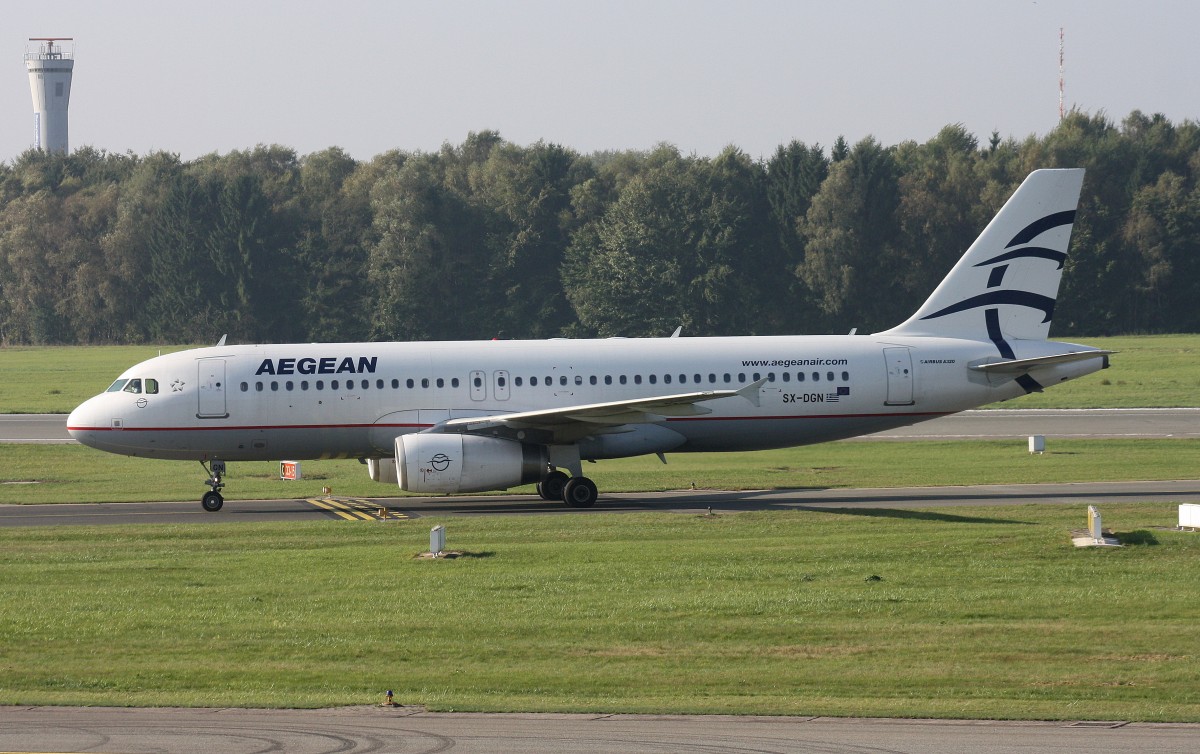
(86, 423)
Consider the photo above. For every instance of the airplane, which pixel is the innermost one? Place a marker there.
(456, 417)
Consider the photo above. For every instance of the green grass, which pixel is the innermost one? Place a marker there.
(56, 379)
(1156, 371)
(975, 613)
(72, 473)
(1159, 371)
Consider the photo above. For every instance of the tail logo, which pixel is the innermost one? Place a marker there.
(1045, 304)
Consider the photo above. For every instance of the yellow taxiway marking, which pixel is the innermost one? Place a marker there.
(354, 509)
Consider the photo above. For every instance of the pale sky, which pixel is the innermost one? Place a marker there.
(213, 76)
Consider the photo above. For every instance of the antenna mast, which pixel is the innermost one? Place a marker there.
(1061, 112)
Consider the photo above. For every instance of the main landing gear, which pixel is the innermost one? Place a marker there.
(212, 500)
(576, 491)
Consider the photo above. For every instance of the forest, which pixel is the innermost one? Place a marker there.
(490, 239)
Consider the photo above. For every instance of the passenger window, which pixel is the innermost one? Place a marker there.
(320, 384)
(816, 376)
(151, 387)
(379, 384)
(441, 382)
(799, 376)
(592, 379)
(562, 380)
(258, 386)
(787, 376)
(829, 376)
(845, 376)
(133, 386)
(245, 387)
(304, 384)
(517, 381)
(395, 384)
(501, 381)
(274, 386)
(333, 385)
(424, 382)
(741, 377)
(683, 379)
(728, 379)
(770, 376)
(653, 379)
(366, 384)
(579, 379)
(289, 385)
(549, 381)
(623, 379)
(637, 379)
(608, 379)
(453, 382)
(712, 377)
(116, 387)
(697, 380)
(666, 379)
(477, 382)
(409, 383)
(533, 381)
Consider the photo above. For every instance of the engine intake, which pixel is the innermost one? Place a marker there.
(466, 463)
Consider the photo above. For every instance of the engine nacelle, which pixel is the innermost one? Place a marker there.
(466, 463)
(382, 470)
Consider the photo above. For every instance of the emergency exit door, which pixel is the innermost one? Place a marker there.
(899, 376)
(210, 378)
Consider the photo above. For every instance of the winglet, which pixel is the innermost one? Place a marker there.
(221, 342)
(677, 331)
(751, 391)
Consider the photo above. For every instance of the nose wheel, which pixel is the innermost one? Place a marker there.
(212, 500)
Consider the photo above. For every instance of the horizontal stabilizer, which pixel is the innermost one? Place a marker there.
(1016, 366)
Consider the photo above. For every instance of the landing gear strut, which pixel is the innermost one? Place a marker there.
(212, 500)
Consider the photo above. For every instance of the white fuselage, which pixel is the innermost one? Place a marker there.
(351, 400)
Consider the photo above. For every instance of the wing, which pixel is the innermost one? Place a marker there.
(571, 422)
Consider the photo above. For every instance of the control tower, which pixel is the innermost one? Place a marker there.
(50, 83)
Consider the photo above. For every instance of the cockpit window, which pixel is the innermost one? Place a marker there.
(133, 386)
(116, 386)
(151, 387)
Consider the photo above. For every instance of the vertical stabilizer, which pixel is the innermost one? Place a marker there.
(1006, 285)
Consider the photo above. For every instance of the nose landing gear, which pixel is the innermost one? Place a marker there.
(212, 500)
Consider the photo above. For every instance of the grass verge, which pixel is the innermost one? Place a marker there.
(72, 473)
(973, 613)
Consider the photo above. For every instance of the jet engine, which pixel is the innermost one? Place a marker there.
(466, 463)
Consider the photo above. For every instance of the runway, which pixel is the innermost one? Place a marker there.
(683, 501)
(983, 424)
(403, 730)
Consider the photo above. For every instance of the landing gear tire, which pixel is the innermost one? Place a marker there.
(212, 501)
(551, 488)
(580, 492)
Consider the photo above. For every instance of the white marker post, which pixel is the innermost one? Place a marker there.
(1094, 527)
(1189, 516)
(437, 540)
(1095, 532)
